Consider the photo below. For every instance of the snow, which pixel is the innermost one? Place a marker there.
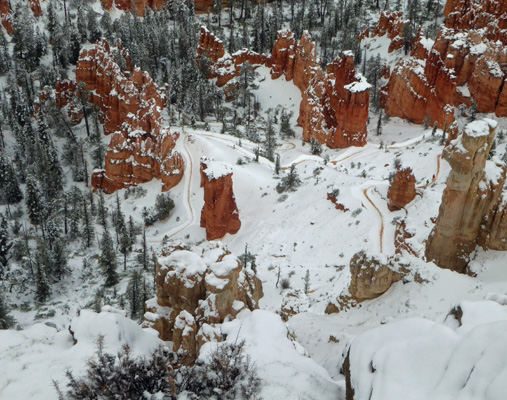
(216, 170)
(286, 374)
(183, 264)
(38, 355)
(478, 128)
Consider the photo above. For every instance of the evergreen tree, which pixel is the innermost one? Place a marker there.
(136, 295)
(143, 257)
(124, 243)
(379, 125)
(277, 165)
(315, 147)
(285, 128)
(289, 182)
(88, 229)
(33, 201)
(107, 259)
(6, 321)
(9, 186)
(270, 142)
(5, 246)
(43, 289)
(101, 211)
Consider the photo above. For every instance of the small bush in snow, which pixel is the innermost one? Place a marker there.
(356, 212)
(163, 206)
(285, 283)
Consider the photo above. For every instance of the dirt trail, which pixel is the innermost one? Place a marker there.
(191, 212)
(433, 180)
(365, 193)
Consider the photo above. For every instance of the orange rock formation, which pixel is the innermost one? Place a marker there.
(334, 109)
(219, 214)
(130, 103)
(224, 66)
(6, 15)
(195, 292)
(36, 8)
(391, 24)
(466, 64)
(140, 5)
(402, 189)
(472, 205)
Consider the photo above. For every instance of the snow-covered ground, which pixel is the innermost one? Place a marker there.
(290, 234)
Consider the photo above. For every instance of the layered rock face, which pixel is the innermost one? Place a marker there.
(140, 5)
(224, 66)
(402, 189)
(473, 192)
(391, 24)
(219, 214)
(196, 291)
(6, 15)
(131, 105)
(334, 109)
(36, 8)
(466, 64)
(371, 276)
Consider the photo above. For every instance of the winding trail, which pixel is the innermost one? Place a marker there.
(433, 180)
(365, 193)
(191, 213)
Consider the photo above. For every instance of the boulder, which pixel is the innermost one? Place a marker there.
(473, 191)
(401, 190)
(219, 214)
(372, 276)
(197, 290)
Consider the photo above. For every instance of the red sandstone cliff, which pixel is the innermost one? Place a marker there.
(130, 104)
(224, 66)
(473, 192)
(36, 8)
(219, 214)
(6, 15)
(391, 24)
(466, 63)
(402, 189)
(140, 5)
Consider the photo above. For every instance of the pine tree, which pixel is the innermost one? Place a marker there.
(101, 211)
(136, 295)
(315, 147)
(379, 125)
(143, 257)
(5, 245)
(8, 183)
(277, 164)
(88, 230)
(434, 130)
(107, 259)
(124, 243)
(33, 201)
(59, 258)
(43, 290)
(6, 321)
(270, 142)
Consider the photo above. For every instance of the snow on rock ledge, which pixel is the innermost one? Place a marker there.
(197, 289)
(419, 359)
(220, 213)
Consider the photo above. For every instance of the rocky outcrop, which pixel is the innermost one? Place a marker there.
(196, 291)
(36, 8)
(224, 66)
(139, 5)
(473, 191)
(6, 16)
(401, 190)
(219, 214)
(130, 104)
(372, 276)
(466, 64)
(410, 92)
(334, 109)
(203, 6)
(391, 24)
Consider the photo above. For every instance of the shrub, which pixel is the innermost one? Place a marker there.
(227, 374)
(162, 209)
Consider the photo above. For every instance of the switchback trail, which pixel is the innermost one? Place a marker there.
(365, 193)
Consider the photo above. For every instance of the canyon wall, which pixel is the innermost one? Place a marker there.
(6, 15)
(220, 213)
(334, 109)
(139, 5)
(467, 64)
(130, 104)
(196, 290)
(472, 205)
